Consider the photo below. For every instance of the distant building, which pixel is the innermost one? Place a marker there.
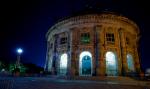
(104, 44)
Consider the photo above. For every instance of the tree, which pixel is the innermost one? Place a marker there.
(21, 69)
(3, 65)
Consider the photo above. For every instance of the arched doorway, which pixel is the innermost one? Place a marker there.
(85, 64)
(111, 64)
(130, 63)
(63, 64)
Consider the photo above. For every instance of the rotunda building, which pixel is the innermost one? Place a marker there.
(104, 44)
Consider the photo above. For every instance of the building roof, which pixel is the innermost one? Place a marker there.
(90, 11)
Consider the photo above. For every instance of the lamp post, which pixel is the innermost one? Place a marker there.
(19, 52)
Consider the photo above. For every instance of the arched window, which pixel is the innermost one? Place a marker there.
(130, 62)
(111, 64)
(63, 64)
(85, 64)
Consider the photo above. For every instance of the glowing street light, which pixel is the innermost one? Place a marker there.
(19, 52)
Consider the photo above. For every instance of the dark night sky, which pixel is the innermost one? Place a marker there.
(25, 23)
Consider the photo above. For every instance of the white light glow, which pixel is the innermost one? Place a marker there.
(110, 57)
(63, 61)
(111, 64)
(19, 50)
(130, 62)
(84, 54)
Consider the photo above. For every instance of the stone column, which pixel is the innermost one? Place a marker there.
(46, 62)
(137, 59)
(69, 40)
(74, 43)
(55, 56)
(73, 69)
(101, 47)
(97, 44)
(123, 52)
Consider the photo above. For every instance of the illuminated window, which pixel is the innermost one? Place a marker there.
(110, 37)
(63, 64)
(111, 64)
(85, 38)
(130, 62)
(85, 64)
(63, 40)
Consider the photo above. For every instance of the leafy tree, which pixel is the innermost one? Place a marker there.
(2, 65)
(13, 68)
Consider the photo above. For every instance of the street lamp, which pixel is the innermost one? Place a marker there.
(19, 52)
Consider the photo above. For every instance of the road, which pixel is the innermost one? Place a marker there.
(54, 83)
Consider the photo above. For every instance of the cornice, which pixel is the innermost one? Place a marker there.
(92, 18)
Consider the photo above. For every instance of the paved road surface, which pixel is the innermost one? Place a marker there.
(53, 83)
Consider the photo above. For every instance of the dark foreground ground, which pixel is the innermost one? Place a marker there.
(57, 83)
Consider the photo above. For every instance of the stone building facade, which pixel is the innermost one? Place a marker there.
(103, 44)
